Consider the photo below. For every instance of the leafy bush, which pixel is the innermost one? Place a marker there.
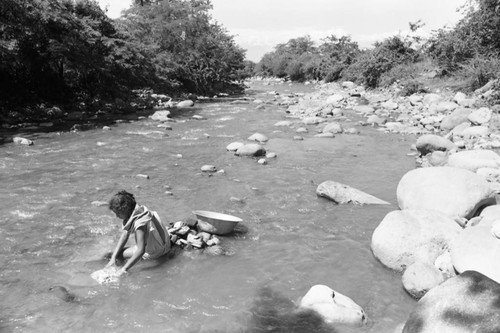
(478, 71)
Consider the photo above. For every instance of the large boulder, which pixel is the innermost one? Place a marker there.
(428, 143)
(341, 193)
(474, 159)
(480, 116)
(453, 191)
(466, 303)
(251, 149)
(478, 249)
(407, 236)
(454, 119)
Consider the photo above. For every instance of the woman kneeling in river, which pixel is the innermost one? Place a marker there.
(151, 238)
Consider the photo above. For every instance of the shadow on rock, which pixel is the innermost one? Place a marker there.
(273, 312)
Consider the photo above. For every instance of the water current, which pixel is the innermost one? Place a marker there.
(52, 235)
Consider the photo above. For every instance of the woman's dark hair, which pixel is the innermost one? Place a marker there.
(122, 202)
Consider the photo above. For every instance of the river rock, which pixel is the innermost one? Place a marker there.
(285, 123)
(251, 149)
(313, 120)
(474, 159)
(389, 105)
(430, 99)
(454, 119)
(332, 306)
(341, 193)
(233, 146)
(258, 137)
(478, 249)
(492, 175)
(185, 104)
(161, 115)
(375, 119)
(480, 116)
(324, 135)
(415, 99)
(333, 128)
(271, 155)
(421, 277)
(475, 132)
(467, 102)
(446, 106)
(364, 109)
(348, 84)
(453, 191)
(465, 303)
(407, 236)
(437, 158)
(22, 141)
(208, 168)
(63, 293)
(335, 99)
(428, 143)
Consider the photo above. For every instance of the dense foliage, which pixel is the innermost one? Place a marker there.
(70, 52)
(187, 49)
(470, 50)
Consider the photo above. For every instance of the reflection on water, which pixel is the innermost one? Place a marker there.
(52, 235)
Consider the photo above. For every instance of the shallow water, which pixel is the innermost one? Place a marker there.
(289, 239)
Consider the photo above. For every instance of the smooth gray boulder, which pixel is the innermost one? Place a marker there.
(454, 119)
(233, 146)
(258, 137)
(407, 236)
(333, 128)
(475, 132)
(421, 277)
(480, 116)
(185, 104)
(477, 248)
(454, 191)
(468, 302)
(474, 159)
(251, 149)
(341, 193)
(428, 143)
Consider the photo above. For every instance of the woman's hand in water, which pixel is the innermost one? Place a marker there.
(121, 272)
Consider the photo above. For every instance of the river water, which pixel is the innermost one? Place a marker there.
(52, 235)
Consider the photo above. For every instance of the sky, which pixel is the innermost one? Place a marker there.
(259, 25)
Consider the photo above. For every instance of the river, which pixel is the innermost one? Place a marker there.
(290, 239)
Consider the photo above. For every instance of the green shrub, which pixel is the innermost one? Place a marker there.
(478, 71)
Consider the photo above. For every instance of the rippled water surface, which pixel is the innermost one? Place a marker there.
(289, 240)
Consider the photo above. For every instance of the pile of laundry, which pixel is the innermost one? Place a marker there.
(187, 236)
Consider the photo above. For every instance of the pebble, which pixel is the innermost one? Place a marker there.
(140, 175)
(262, 161)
